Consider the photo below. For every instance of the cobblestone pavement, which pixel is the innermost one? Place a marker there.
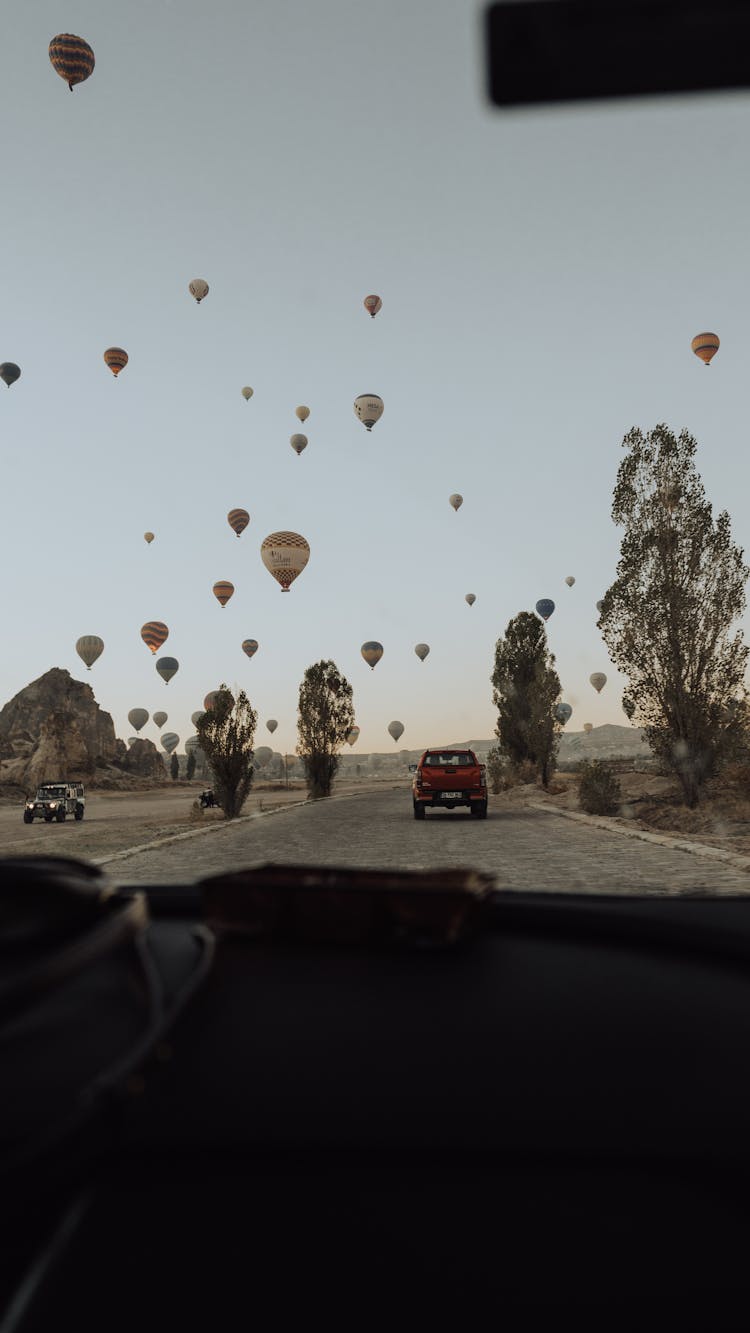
(524, 849)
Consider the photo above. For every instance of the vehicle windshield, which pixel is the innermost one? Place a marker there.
(44, 793)
(426, 420)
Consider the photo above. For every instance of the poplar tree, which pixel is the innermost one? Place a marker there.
(226, 732)
(526, 688)
(325, 718)
(669, 619)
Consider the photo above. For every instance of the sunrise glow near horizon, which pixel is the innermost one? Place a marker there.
(542, 274)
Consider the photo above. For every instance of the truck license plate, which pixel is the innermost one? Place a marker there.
(452, 795)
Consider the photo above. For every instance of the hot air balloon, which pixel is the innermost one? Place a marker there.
(470, 598)
(353, 736)
(545, 607)
(298, 443)
(247, 393)
(9, 372)
(148, 537)
(599, 606)
(89, 648)
(170, 740)
(570, 580)
(422, 649)
(263, 754)
(598, 680)
(272, 724)
(456, 501)
(238, 520)
(369, 408)
(71, 57)
(154, 633)
(192, 743)
(210, 700)
(138, 717)
(116, 358)
(250, 646)
(132, 740)
(396, 730)
(285, 555)
(563, 713)
(705, 345)
(223, 590)
(196, 717)
(198, 288)
(167, 667)
(372, 305)
(159, 719)
(587, 727)
(302, 412)
(372, 651)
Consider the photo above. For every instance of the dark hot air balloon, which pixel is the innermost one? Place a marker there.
(71, 57)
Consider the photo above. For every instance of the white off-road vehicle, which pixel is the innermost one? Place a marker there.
(55, 800)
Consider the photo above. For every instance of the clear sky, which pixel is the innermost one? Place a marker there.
(542, 273)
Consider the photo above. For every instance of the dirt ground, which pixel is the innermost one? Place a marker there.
(116, 820)
(722, 819)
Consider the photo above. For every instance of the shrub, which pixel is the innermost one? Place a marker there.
(599, 791)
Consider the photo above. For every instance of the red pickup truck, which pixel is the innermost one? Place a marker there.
(447, 778)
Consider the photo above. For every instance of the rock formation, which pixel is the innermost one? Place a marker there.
(55, 729)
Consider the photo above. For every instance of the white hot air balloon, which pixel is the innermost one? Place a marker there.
(570, 580)
(369, 408)
(198, 288)
(422, 649)
(396, 730)
(455, 501)
(285, 555)
(598, 680)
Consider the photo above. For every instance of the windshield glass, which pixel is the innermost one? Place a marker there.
(425, 419)
(45, 793)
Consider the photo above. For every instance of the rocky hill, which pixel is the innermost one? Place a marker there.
(54, 728)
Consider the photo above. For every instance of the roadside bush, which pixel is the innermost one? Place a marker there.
(599, 790)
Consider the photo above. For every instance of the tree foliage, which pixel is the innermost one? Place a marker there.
(325, 718)
(495, 768)
(174, 768)
(227, 732)
(526, 688)
(190, 769)
(667, 619)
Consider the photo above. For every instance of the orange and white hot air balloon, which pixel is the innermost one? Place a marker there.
(285, 555)
(223, 590)
(705, 345)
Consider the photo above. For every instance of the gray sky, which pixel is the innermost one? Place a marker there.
(542, 273)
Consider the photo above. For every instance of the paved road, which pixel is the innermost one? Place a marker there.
(523, 849)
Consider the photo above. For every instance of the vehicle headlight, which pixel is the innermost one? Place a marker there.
(53, 805)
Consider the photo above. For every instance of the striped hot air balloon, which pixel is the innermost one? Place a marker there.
(154, 633)
(71, 57)
(223, 590)
(238, 520)
(353, 736)
(250, 647)
(705, 345)
(89, 648)
(170, 740)
(116, 358)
